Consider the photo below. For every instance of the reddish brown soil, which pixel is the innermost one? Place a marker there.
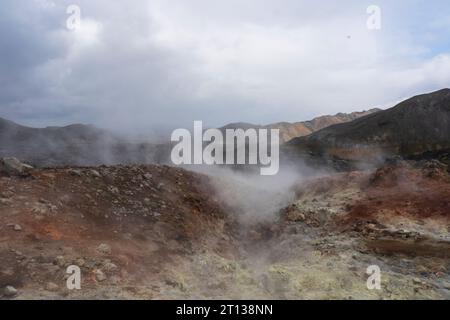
(161, 225)
(403, 191)
(150, 216)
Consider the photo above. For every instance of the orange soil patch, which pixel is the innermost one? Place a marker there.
(403, 191)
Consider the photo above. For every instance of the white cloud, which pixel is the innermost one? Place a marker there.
(148, 63)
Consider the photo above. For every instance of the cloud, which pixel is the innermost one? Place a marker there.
(150, 64)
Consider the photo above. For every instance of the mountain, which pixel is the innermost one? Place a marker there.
(81, 145)
(416, 126)
(290, 131)
(86, 145)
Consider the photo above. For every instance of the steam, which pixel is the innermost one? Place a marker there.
(247, 195)
(251, 197)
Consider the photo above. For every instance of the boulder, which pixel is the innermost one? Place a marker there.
(104, 249)
(99, 275)
(50, 286)
(13, 167)
(9, 291)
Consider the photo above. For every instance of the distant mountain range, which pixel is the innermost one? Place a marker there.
(416, 126)
(81, 145)
(86, 145)
(290, 131)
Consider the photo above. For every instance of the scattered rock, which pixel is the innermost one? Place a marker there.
(99, 275)
(6, 194)
(60, 261)
(39, 210)
(115, 280)
(95, 173)
(75, 172)
(104, 248)
(108, 266)
(434, 164)
(80, 262)
(114, 190)
(148, 176)
(13, 167)
(5, 202)
(10, 291)
(51, 287)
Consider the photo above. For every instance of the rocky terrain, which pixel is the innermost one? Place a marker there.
(129, 228)
(161, 232)
(156, 232)
(396, 217)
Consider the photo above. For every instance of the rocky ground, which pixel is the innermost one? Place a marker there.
(128, 228)
(397, 217)
(156, 232)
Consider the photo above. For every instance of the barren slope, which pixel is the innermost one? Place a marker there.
(293, 130)
(154, 232)
(418, 125)
(151, 218)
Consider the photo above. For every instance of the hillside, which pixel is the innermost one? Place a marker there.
(156, 232)
(86, 145)
(289, 131)
(418, 125)
(76, 145)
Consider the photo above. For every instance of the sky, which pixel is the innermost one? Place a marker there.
(145, 64)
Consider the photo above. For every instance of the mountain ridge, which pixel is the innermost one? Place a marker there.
(417, 125)
(291, 130)
(75, 144)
